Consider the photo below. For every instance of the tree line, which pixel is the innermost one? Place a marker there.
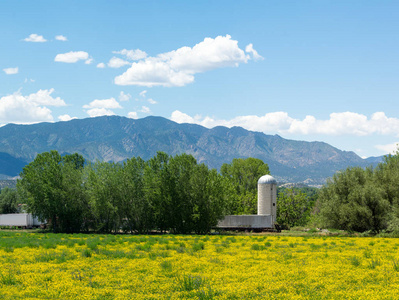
(164, 193)
(361, 200)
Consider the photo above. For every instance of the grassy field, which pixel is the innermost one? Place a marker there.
(57, 266)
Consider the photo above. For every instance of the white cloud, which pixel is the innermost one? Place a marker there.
(98, 108)
(35, 38)
(124, 97)
(89, 61)
(132, 54)
(116, 62)
(101, 65)
(178, 67)
(250, 49)
(106, 103)
(150, 73)
(142, 94)
(97, 112)
(152, 101)
(66, 118)
(145, 109)
(206, 55)
(132, 115)
(389, 148)
(72, 57)
(43, 97)
(20, 109)
(10, 71)
(61, 38)
(347, 123)
(344, 123)
(180, 117)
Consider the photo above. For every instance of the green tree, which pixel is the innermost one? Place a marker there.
(353, 201)
(156, 189)
(293, 208)
(208, 197)
(9, 200)
(104, 192)
(387, 178)
(243, 175)
(53, 189)
(185, 197)
(137, 211)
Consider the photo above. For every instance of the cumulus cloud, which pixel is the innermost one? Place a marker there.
(106, 103)
(344, 123)
(88, 61)
(389, 148)
(132, 54)
(124, 97)
(20, 109)
(132, 115)
(178, 67)
(43, 97)
(103, 107)
(66, 118)
(145, 109)
(10, 71)
(61, 38)
(72, 57)
(35, 38)
(152, 73)
(101, 65)
(116, 62)
(250, 49)
(97, 112)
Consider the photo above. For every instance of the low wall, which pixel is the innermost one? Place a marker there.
(246, 221)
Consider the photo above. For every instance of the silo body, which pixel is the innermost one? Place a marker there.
(267, 196)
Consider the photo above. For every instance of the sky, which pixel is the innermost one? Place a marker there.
(305, 70)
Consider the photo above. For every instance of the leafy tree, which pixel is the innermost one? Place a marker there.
(9, 200)
(137, 210)
(293, 208)
(243, 175)
(53, 190)
(209, 199)
(352, 200)
(156, 189)
(185, 196)
(104, 192)
(387, 178)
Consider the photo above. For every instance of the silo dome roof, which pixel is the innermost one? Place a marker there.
(267, 179)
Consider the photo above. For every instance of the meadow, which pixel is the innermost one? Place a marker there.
(79, 266)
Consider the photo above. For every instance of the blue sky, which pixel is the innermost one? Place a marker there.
(306, 70)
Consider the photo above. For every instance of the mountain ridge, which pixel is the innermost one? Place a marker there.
(115, 138)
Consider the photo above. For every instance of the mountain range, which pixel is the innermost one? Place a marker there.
(114, 138)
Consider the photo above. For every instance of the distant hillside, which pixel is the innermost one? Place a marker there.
(10, 166)
(114, 138)
(12, 184)
(374, 159)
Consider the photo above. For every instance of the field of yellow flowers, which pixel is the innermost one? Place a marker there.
(58, 266)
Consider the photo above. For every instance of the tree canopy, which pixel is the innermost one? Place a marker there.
(242, 176)
(167, 193)
(363, 199)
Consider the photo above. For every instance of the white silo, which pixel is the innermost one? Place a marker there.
(267, 196)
